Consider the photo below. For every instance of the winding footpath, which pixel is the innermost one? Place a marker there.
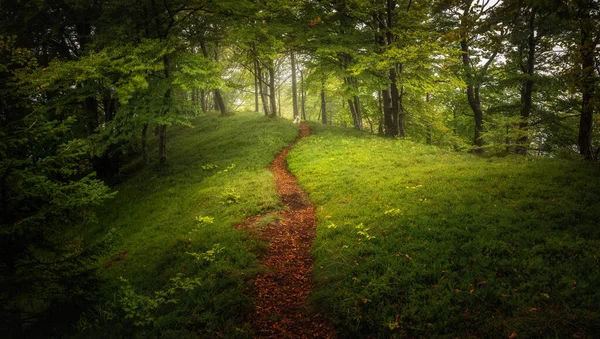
(281, 292)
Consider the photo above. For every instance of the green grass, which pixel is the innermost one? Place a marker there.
(418, 241)
(217, 169)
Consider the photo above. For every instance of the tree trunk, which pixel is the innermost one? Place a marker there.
(527, 87)
(380, 110)
(261, 88)
(588, 81)
(256, 91)
(162, 129)
(473, 95)
(303, 96)
(358, 123)
(271, 69)
(324, 119)
(401, 120)
(428, 122)
(294, 85)
(387, 112)
(218, 97)
(219, 103)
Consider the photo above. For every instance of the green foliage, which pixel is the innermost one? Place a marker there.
(140, 308)
(449, 244)
(230, 196)
(45, 190)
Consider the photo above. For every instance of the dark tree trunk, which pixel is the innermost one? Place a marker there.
(271, 69)
(219, 102)
(218, 97)
(324, 119)
(394, 104)
(294, 85)
(393, 76)
(401, 113)
(302, 96)
(473, 95)
(261, 88)
(380, 110)
(354, 103)
(358, 121)
(387, 113)
(256, 91)
(162, 129)
(428, 123)
(588, 81)
(527, 86)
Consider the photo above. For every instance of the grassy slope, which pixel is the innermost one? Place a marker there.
(154, 214)
(416, 241)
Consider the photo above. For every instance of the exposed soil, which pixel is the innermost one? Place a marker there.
(280, 293)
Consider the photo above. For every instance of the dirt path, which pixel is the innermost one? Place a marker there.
(280, 300)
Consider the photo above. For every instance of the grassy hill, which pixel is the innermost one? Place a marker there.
(175, 235)
(413, 240)
(418, 241)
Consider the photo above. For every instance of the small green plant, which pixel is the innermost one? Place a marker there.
(141, 309)
(208, 256)
(209, 167)
(230, 196)
(363, 231)
(204, 221)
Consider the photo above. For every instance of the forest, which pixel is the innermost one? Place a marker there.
(447, 159)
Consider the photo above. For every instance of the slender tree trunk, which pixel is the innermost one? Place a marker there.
(401, 120)
(354, 103)
(261, 89)
(218, 97)
(387, 112)
(394, 104)
(358, 122)
(271, 69)
(588, 79)
(428, 122)
(303, 96)
(162, 129)
(294, 85)
(219, 102)
(527, 86)
(473, 95)
(380, 110)
(256, 91)
(393, 76)
(279, 100)
(324, 119)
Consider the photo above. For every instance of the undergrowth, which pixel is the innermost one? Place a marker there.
(177, 267)
(416, 241)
